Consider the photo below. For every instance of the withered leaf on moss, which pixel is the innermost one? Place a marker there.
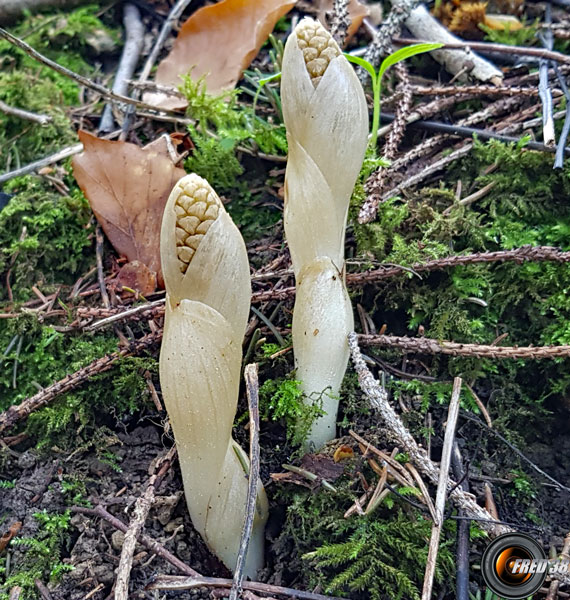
(127, 188)
(218, 41)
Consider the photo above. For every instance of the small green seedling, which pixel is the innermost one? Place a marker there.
(389, 61)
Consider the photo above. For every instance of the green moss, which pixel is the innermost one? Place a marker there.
(383, 554)
(44, 237)
(42, 558)
(529, 204)
(68, 39)
(283, 399)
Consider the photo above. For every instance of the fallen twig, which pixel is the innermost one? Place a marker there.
(145, 540)
(134, 38)
(170, 582)
(561, 146)
(432, 346)
(424, 26)
(252, 390)
(463, 527)
(84, 81)
(490, 47)
(379, 400)
(140, 513)
(441, 494)
(469, 132)
(21, 411)
(544, 90)
(25, 114)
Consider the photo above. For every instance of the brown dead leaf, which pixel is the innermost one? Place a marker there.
(342, 453)
(127, 188)
(218, 41)
(136, 276)
(11, 533)
(356, 13)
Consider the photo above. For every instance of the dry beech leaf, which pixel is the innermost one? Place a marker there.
(127, 188)
(356, 13)
(342, 453)
(135, 275)
(218, 41)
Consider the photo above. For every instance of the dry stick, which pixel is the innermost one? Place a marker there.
(43, 590)
(24, 114)
(49, 160)
(167, 26)
(452, 415)
(100, 240)
(564, 555)
(487, 47)
(475, 90)
(252, 390)
(17, 413)
(170, 582)
(463, 527)
(461, 64)
(544, 90)
(134, 32)
(432, 346)
(145, 540)
(482, 134)
(84, 81)
(403, 439)
(140, 512)
(518, 255)
(43, 162)
(560, 148)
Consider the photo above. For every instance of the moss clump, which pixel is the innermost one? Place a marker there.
(71, 40)
(44, 237)
(42, 558)
(529, 204)
(382, 555)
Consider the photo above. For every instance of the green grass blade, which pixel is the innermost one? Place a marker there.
(404, 53)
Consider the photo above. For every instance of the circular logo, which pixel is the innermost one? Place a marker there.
(514, 566)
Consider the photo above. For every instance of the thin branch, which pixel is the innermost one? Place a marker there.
(84, 81)
(561, 147)
(441, 494)
(544, 90)
(169, 582)
(378, 399)
(432, 346)
(145, 540)
(21, 411)
(134, 34)
(252, 390)
(488, 47)
(25, 114)
(140, 512)
(469, 132)
(173, 17)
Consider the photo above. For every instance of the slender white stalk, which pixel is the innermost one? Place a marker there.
(206, 272)
(326, 117)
